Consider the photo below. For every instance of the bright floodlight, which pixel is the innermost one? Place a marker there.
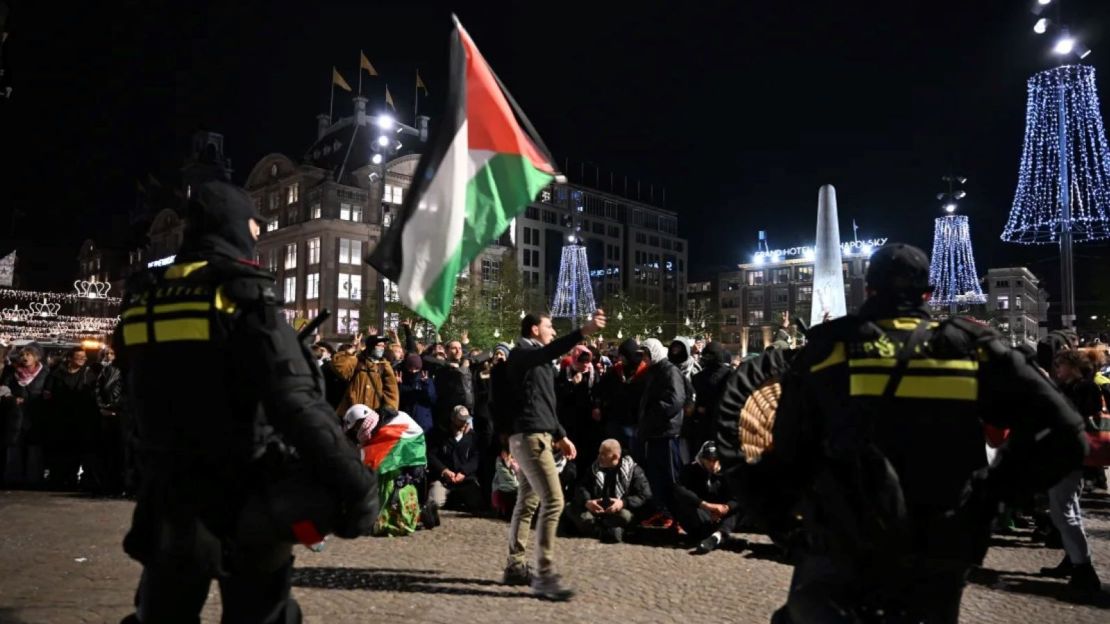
(385, 122)
(376, 159)
(1043, 2)
(760, 258)
(950, 207)
(1064, 45)
(383, 141)
(866, 250)
(1041, 26)
(808, 254)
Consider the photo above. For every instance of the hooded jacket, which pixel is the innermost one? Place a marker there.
(664, 397)
(688, 365)
(709, 385)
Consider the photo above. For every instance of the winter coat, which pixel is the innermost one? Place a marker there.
(662, 403)
(504, 477)
(530, 372)
(418, 398)
(619, 391)
(23, 423)
(709, 384)
(370, 383)
(625, 481)
(696, 485)
(687, 364)
(454, 386)
(109, 388)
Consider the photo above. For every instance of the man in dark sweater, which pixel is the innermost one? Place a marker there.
(536, 434)
(703, 504)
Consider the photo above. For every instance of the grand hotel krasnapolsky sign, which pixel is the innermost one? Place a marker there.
(807, 251)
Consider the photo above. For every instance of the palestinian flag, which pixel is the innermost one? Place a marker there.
(396, 444)
(482, 167)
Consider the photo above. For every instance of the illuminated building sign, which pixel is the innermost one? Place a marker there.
(160, 262)
(854, 247)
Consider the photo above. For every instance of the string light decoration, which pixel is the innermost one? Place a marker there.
(1039, 215)
(20, 323)
(952, 269)
(574, 296)
(34, 295)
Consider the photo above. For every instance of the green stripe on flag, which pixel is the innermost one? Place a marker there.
(496, 194)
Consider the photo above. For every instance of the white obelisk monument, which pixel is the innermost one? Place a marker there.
(828, 268)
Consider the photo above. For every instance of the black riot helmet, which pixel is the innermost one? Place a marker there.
(217, 221)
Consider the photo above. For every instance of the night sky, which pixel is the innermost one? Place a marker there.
(740, 109)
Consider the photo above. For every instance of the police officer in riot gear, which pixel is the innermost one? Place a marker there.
(227, 403)
(878, 452)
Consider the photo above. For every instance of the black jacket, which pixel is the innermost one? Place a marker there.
(462, 455)
(109, 388)
(842, 450)
(695, 485)
(709, 385)
(454, 386)
(531, 373)
(662, 403)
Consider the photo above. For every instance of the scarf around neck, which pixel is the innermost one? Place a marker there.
(24, 376)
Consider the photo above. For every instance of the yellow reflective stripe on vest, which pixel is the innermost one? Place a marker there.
(131, 312)
(175, 330)
(917, 387)
(927, 364)
(134, 333)
(178, 271)
(223, 303)
(185, 306)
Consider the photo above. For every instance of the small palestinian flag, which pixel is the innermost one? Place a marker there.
(397, 444)
(481, 169)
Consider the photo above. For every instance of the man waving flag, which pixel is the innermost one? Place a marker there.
(480, 171)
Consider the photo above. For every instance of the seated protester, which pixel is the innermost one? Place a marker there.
(392, 445)
(505, 485)
(609, 495)
(453, 462)
(703, 505)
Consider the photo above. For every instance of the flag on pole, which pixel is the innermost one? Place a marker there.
(420, 83)
(364, 63)
(338, 80)
(482, 167)
(389, 98)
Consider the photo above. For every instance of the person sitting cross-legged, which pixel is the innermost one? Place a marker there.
(609, 495)
(704, 507)
(453, 456)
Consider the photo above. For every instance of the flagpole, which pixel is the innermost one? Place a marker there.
(331, 102)
(360, 70)
(416, 96)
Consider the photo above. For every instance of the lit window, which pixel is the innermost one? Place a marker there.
(755, 278)
(292, 193)
(315, 210)
(805, 293)
(350, 251)
(350, 212)
(290, 315)
(350, 286)
(290, 291)
(393, 194)
(313, 251)
(312, 287)
(1004, 302)
(755, 317)
(1017, 303)
(291, 256)
(392, 293)
(272, 225)
(348, 322)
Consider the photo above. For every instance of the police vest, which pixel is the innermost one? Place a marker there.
(187, 393)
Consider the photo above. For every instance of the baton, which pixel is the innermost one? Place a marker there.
(313, 325)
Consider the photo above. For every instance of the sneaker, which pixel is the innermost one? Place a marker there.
(709, 544)
(429, 516)
(551, 587)
(1062, 570)
(517, 574)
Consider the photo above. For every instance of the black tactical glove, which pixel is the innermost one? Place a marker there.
(357, 515)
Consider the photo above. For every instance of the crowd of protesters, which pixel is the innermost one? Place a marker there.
(641, 415)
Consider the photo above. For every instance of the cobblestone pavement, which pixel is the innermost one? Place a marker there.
(61, 562)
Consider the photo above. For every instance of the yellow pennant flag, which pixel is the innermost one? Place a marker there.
(420, 83)
(338, 80)
(364, 63)
(389, 98)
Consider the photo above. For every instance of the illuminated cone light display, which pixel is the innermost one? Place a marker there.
(1063, 191)
(574, 296)
(952, 270)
